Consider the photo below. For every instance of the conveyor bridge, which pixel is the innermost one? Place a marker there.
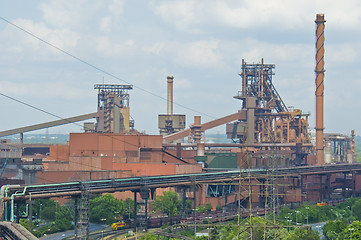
(12, 193)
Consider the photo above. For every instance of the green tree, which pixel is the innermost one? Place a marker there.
(45, 208)
(64, 212)
(128, 205)
(62, 225)
(105, 208)
(332, 229)
(228, 233)
(303, 233)
(352, 231)
(214, 234)
(206, 208)
(276, 234)
(356, 209)
(148, 236)
(169, 203)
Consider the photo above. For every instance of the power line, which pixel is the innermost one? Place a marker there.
(49, 113)
(92, 66)
(31, 106)
(100, 69)
(92, 167)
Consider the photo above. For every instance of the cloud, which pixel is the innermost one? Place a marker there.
(201, 43)
(342, 53)
(80, 15)
(19, 42)
(203, 53)
(69, 14)
(107, 48)
(63, 90)
(194, 16)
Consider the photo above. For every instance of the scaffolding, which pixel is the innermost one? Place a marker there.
(82, 214)
(270, 190)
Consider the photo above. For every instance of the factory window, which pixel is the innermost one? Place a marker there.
(145, 155)
(220, 190)
(131, 153)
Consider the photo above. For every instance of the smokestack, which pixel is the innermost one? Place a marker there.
(353, 145)
(320, 73)
(170, 95)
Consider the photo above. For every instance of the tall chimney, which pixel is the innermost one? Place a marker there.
(320, 74)
(170, 95)
(353, 145)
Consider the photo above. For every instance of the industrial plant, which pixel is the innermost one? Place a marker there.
(268, 139)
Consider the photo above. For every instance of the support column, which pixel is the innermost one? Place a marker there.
(353, 183)
(135, 212)
(76, 217)
(21, 143)
(194, 197)
(327, 186)
(30, 214)
(184, 198)
(225, 201)
(301, 183)
(343, 185)
(17, 212)
(144, 194)
(179, 150)
(321, 189)
(146, 214)
(250, 105)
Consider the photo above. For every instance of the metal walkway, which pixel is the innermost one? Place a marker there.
(14, 231)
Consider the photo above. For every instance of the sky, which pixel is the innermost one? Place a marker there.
(201, 43)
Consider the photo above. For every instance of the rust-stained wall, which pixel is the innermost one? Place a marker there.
(140, 169)
(103, 156)
(186, 155)
(292, 196)
(113, 145)
(106, 168)
(58, 152)
(358, 183)
(69, 176)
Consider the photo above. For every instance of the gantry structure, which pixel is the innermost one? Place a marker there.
(268, 118)
(113, 108)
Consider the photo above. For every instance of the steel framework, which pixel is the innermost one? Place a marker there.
(113, 108)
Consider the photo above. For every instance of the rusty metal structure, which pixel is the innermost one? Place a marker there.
(113, 108)
(272, 151)
(338, 148)
(320, 72)
(268, 118)
(170, 123)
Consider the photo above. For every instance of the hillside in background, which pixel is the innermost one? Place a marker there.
(63, 138)
(210, 138)
(40, 138)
